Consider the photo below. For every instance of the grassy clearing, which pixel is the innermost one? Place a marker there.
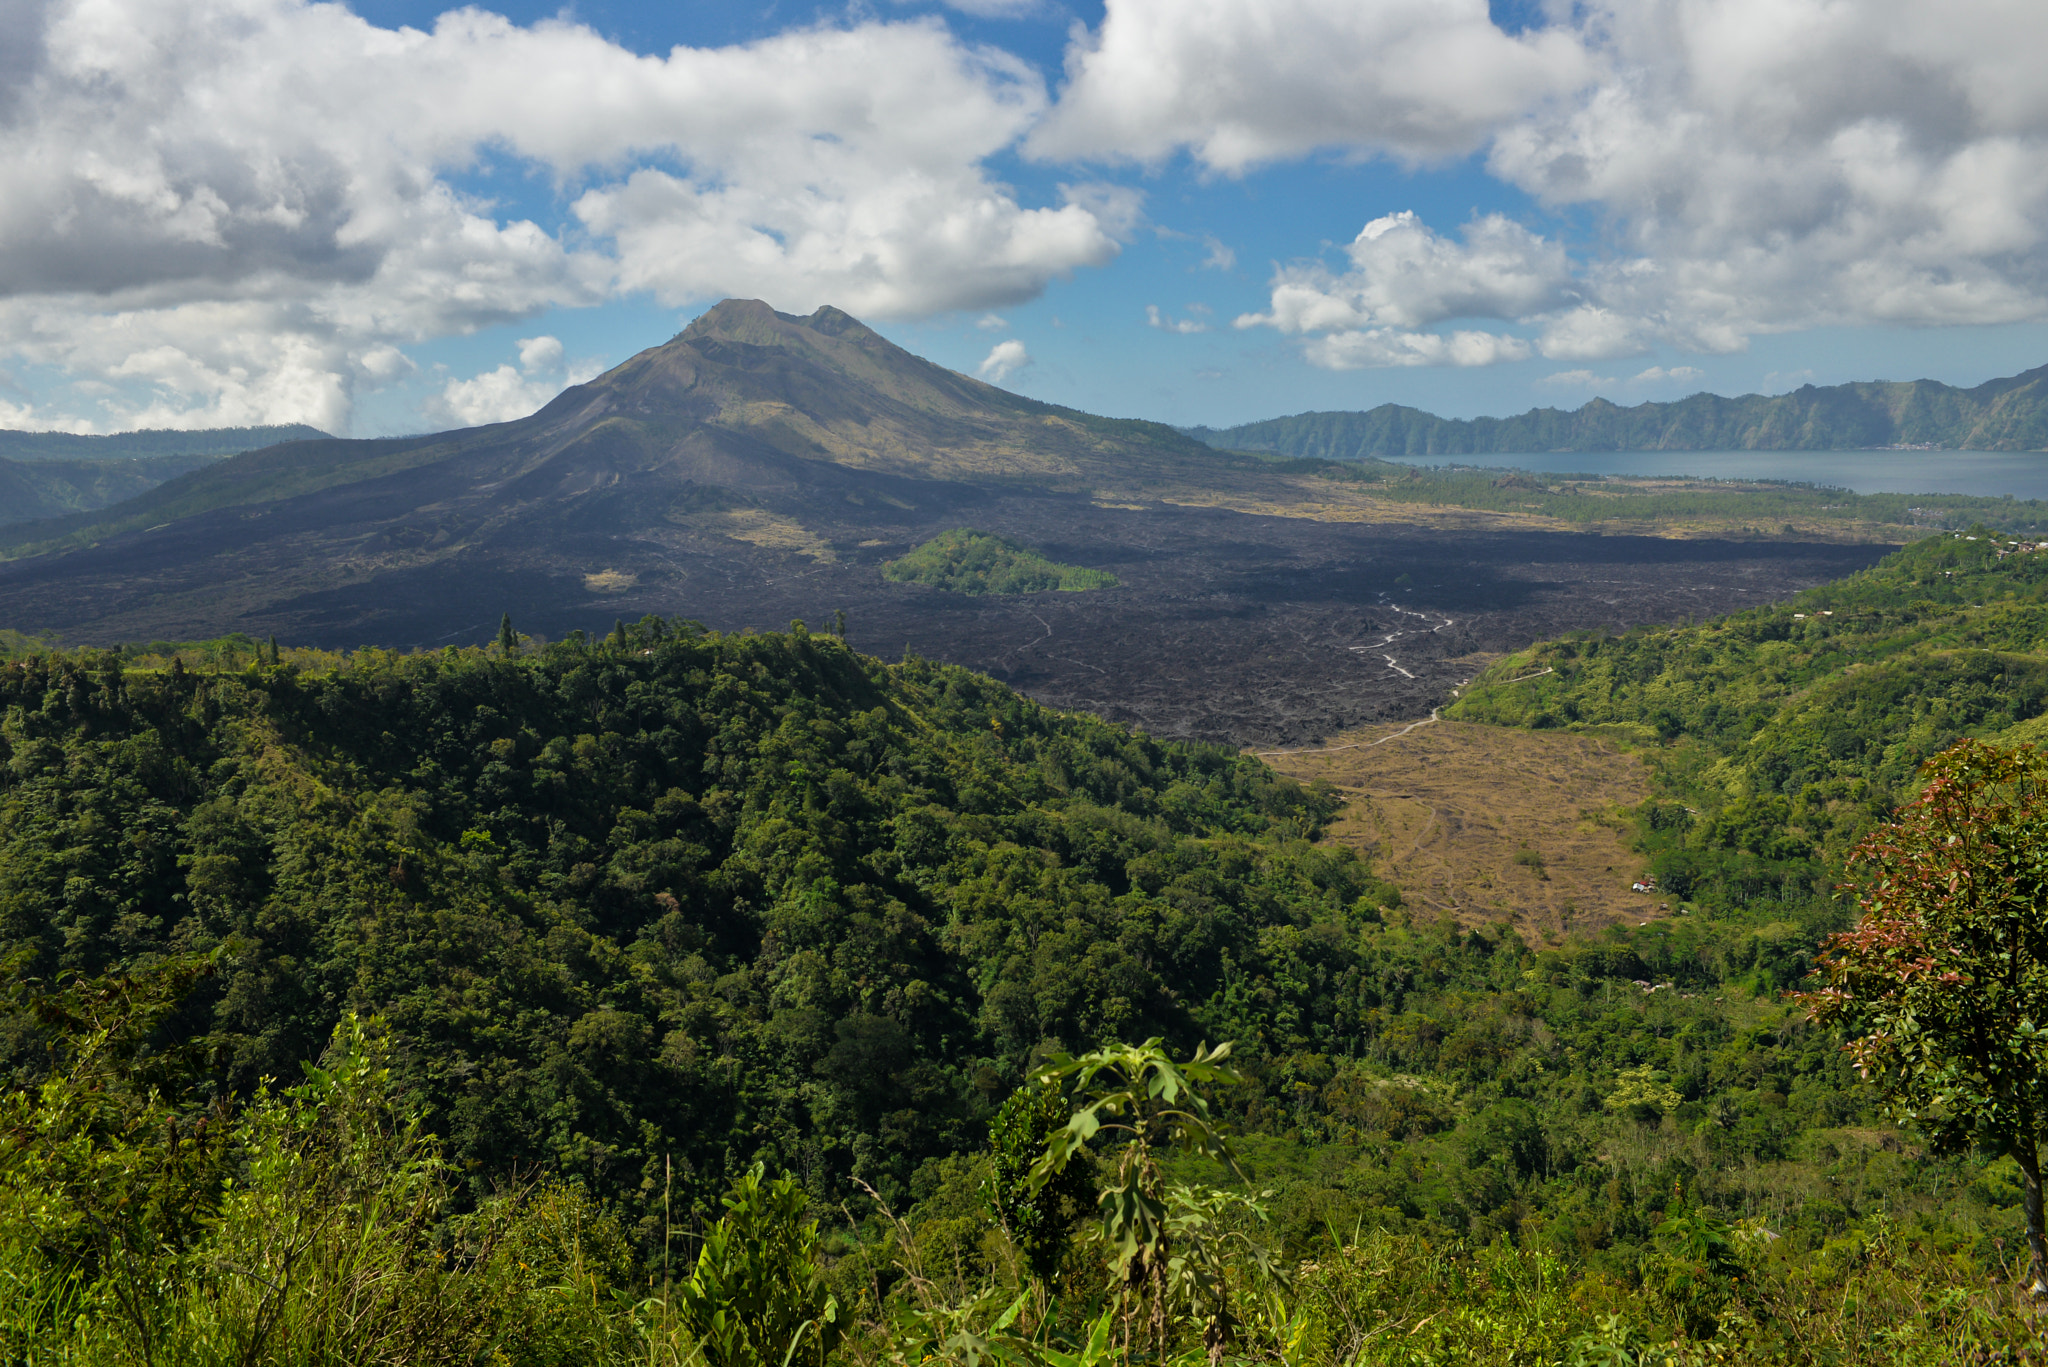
(1490, 824)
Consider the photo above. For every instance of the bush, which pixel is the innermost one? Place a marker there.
(756, 1298)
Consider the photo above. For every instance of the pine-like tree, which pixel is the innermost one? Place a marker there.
(508, 643)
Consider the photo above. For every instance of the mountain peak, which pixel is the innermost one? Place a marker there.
(751, 427)
(729, 317)
(754, 322)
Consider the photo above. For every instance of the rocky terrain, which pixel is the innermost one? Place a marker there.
(761, 467)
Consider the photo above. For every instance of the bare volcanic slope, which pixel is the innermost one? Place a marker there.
(751, 422)
(762, 467)
(746, 403)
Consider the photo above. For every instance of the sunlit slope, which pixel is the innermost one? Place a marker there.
(149, 441)
(54, 487)
(57, 474)
(828, 387)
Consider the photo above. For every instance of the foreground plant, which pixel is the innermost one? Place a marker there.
(1945, 979)
(1168, 1245)
(1036, 1215)
(756, 1298)
(144, 1221)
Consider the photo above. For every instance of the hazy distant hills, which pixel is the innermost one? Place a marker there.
(154, 441)
(1998, 415)
(52, 488)
(49, 474)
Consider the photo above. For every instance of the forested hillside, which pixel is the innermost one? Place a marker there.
(52, 487)
(51, 474)
(1780, 734)
(2009, 414)
(149, 442)
(629, 915)
(663, 895)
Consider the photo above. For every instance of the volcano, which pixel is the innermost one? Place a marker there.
(761, 467)
(751, 437)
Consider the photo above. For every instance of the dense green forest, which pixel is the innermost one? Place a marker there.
(579, 935)
(1742, 507)
(967, 561)
(662, 897)
(2008, 414)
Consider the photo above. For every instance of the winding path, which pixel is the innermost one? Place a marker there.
(1355, 745)
(1393, 636)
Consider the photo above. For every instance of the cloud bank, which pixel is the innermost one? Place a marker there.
(1756, 166)
(1237, 83)
(235, 205)
(1404, 277)
(241, 211)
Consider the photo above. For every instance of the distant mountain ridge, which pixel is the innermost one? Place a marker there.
(2008, 414)
(52, 474)
(152, 441)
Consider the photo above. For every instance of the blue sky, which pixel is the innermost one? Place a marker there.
(384, 218)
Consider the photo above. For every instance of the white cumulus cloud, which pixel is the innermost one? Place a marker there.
(1371, 348)
(1404, 277)
(1577, 379)
(1678, 374)
(1004, 360)
(1752, 166)
(1772, 165)
(1154, 317)
(506, 393)
(1241, 83)
(234, 210)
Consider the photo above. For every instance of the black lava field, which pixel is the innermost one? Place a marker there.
(1232, 627)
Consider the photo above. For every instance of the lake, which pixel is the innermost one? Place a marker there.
(1982, 473)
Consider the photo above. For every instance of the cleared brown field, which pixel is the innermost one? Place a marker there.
(1488, 824)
